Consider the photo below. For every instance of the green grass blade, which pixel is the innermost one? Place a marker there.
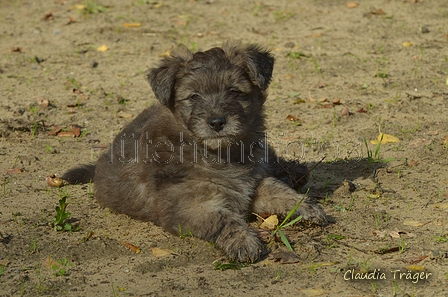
(285, 240)
(290, 213)
(293, 221)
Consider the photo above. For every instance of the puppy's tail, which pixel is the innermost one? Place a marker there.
(80, 175)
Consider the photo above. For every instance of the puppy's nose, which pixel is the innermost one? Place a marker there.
(217, 123)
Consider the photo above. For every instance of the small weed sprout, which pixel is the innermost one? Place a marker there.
(284, 224)
(60, 269)
(60, 221)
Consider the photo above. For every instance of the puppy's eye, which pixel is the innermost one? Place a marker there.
(238, 94)
(193, 97)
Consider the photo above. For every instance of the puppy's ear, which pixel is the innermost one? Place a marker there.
(257, 61)
(163, 78)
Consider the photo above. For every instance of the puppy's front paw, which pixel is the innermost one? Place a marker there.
(312, 211)
(243, 246)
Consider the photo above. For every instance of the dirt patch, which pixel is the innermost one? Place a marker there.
(343, 72)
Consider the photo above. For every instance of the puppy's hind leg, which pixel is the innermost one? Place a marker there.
(275, 197)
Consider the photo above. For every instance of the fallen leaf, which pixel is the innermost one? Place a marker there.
(299, 101)
(351, 5)
(362, 110)
(337, 102)
(16, 49)
(124, 115)
(321, 85)
(102, 48)
(54, 181)
(43, 103)
(14, 171)
(270, 223)
(71, 21)
(48, 16)
(379, 233)
(441, 205)
(292, 118)
(80, 6)
(158, 252)
(412, 163)
(284, 257)
(415, 268)
(345, 112)
(55, 131)
(385, 138)
(167, 53)
(394, 234)
(327, 105)
(387, 251)
(378, 11)
(132, 247)
(132, 25)
(414, 223)
(413, 260)
(407, 44)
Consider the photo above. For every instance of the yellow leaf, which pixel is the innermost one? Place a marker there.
(270, 223)
(167, 53)
(80, 6)
(407, 44)
(132, 25)
(352, 5)
(102, 48)
(415, 268)
(414, 223)
(158, 252)
(384, 138)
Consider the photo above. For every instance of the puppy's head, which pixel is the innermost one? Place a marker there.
(219, 93)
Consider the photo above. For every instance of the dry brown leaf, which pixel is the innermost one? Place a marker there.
(394, 234)
(345, 112)
(132, 247)
(124, 115)
(337, 102)
(48, 16)
(14, 171)
(292, 118)
(71, 21)
(441, 205)
(158, 252)
(362, 110)
(378, 11)
(414, 223)
(55, 131)
(54, 181)
(351, 5)
(43, 103)
(413, 260)
(132, 25)
(270, 223)
(327, 105)
(379, 233)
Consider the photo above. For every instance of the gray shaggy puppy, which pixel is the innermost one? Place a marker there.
(199, 162)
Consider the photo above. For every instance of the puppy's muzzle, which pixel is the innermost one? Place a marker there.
(216, 123)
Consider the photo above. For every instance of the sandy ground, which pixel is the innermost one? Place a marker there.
(345, 73)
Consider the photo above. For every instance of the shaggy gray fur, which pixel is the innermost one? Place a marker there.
(199, 162)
